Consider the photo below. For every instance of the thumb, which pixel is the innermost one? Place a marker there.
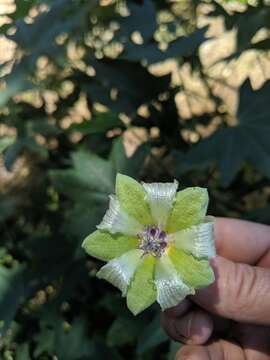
(241, 292)
(219, 349)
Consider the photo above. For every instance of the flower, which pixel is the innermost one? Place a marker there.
(157, 242)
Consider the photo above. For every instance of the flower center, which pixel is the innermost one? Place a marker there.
(153, 241)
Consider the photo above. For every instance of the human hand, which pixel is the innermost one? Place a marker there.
(237, 304)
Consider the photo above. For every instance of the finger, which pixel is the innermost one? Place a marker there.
(241, 292)
(254, 339)
(218, 350)
(179, 309)
(170, 317)
(241, 241)
(195, 327)
(264, 260)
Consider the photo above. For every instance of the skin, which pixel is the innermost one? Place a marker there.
(230, 319)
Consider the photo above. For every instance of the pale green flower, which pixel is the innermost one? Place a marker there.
(157, 242)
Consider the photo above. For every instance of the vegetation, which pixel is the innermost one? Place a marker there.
(99, 87)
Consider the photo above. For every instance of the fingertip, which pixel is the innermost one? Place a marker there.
(179, 309)
(195, 327)
(192, 352)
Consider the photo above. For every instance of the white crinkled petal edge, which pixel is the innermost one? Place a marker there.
(197, 240)
(170, 287)
(116, 220)
(120, 271)
(160, 197)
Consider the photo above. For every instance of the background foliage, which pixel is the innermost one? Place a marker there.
(94, 88)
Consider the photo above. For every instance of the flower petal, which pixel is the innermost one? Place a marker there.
(189, 209)
(160, 197)
(105, 246)
(170, 287)
(120, 271)
(194, 272)
(116, 220)
(142, 292)
(131, 196)
(197, 240)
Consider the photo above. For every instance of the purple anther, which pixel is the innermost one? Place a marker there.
(153, 231)
(163, 244)
(153, 241)
(162, 235)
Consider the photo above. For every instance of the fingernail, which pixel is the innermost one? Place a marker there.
(196, 327)
(183, 326)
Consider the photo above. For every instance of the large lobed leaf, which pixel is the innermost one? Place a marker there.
(230, 147)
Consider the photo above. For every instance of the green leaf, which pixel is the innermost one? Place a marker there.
(101, 123)
(5, 142)
(82, 217)
(138, 300)
(142, 18)
(53, 339)
(22, 8)
(189, 209)
(94, 170)
(126, 78)
(13, 290)
(130, 166)
(106, 246)
(39, 39)
(248, 141)
(183, 46)
(118, 156)
(23, 143)
(195, 273)
(124, 330)
(16, 82)
(23, 352)
(152, 336)
(131, 195)
(7, 207)
(175, 346)
(90, 180)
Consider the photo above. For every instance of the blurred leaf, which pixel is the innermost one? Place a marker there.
(42, 127)
(174, 347)
(12, 154)
(261, 45)
(118, 156)
(152, 336)
(14, 287)
(142, 19)
(249, 23)
(5, 142)
(228, 147)
(132, 83)
(15, 150)
(82, 218)
(39, 39)
(91, 177)
(101, 123)
(183, 46)
(124, 330)
(260, 215)
(16, 82)
(7, 207)
(23, 352)
(40, 36)
(128, 165)
(72, 344)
